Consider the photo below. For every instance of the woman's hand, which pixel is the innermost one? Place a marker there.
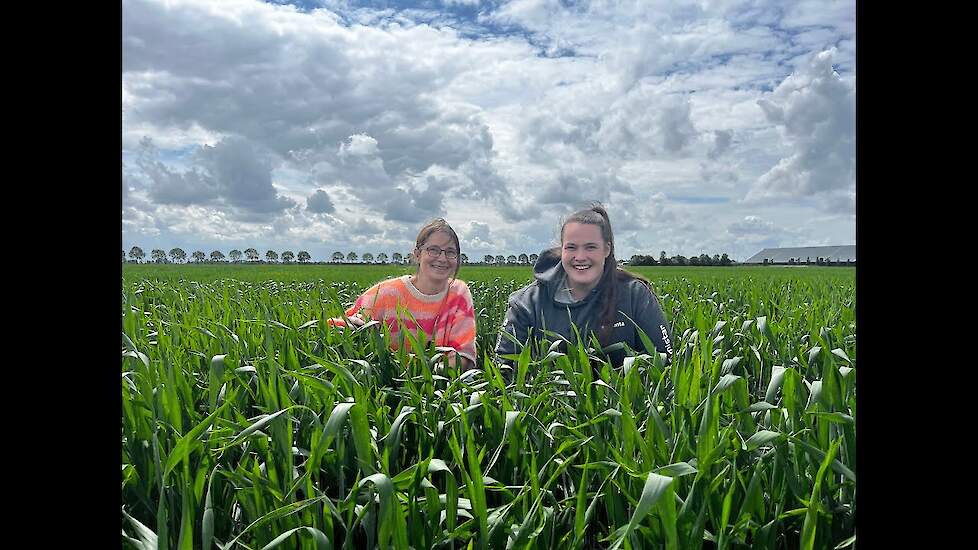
(356, 320)
(462, 362)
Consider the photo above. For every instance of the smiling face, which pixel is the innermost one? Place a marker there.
(583, 253)
(435, 271)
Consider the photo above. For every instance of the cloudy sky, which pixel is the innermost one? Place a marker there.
(344, 125)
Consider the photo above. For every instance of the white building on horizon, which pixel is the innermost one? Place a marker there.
(805, 254)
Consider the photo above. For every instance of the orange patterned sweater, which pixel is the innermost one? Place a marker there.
(448, 315)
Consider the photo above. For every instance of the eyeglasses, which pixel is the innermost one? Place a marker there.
(434, 252)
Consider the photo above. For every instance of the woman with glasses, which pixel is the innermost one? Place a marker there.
(580, 284)
(440, 304)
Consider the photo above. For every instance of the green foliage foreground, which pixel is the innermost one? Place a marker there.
(247, 423)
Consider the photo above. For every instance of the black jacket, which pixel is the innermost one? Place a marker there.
(535, 306)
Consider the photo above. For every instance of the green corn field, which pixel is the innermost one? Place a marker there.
(248, 423)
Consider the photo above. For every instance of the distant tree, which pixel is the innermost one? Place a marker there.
(351, 257)
(136, 253)
(533, 258)
(217, 256)
(524, 259)
(303, 257)
(158, 256)
(251, 254)
(716, 259)
(198, 256)
(178, 255)
(123, 256)
(488, 259)
(271, 256)
(337, 257)
(397, 258)
(235, 255)
(724, 259)
(382, 258)
(679, 259)
(368, 258)
(500, 259)
(409, 259)
(663, 260)
(640, 259)
(463, 258)
(287, 256)
(511, 259)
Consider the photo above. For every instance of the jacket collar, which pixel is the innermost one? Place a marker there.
(548, 269)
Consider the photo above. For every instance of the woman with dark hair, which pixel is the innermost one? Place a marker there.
(580, 284)
(440, 303)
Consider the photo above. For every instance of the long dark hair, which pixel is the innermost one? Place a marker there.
(611, 275)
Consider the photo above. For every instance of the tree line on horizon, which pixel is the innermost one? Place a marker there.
(251, 255)
(679, 259)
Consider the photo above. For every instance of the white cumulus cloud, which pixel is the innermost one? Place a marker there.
(814, 110)
(249, 123)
